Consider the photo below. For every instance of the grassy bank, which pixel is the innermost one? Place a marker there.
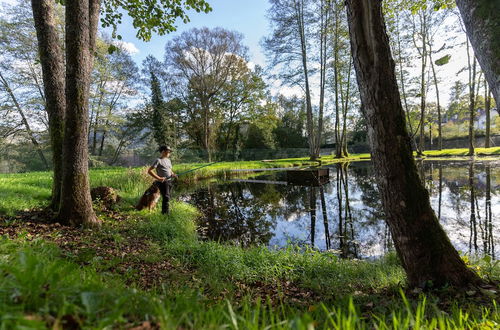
(143, 269)
(463, 152)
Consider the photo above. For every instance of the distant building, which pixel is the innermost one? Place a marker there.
(481, 118)
(480, 122)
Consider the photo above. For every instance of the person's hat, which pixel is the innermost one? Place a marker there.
(164, 148)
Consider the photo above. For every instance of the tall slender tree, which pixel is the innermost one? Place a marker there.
(487, 109)
(159, 120)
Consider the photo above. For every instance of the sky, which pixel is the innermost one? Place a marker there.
(245, 16)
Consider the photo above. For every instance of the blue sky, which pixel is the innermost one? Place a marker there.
(245, 16)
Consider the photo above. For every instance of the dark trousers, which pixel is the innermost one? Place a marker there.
(165, 195)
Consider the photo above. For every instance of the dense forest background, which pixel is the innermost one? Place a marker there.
(206, 99)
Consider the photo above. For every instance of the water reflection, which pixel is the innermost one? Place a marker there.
(345, 215)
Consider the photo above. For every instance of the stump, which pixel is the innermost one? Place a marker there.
(107, 197)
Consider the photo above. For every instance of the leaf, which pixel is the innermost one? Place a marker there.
(112, 49)
(443, 60)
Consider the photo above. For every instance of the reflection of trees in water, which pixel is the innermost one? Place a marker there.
(465, 188)
(473, 228)
(369, 216)
(312, 211)
(348, 211)
(486, 226)
(346, 234)
(328, 242)
(231, 213)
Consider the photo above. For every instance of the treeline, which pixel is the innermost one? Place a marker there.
(204, 97)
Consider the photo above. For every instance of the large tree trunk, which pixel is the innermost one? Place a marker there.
(81, 23)
(52, 61)
(422, 245)
(482, 23)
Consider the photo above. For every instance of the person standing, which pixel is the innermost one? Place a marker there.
(164, 173)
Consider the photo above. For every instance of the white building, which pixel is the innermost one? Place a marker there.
(481, 118)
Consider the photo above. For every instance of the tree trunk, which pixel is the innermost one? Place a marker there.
(487, 108)
(206, 129)
(299, 10)
(338, 139)
(423, 31)
(52, 61)
(482, 24)
(76, 204)
(440, 137)
(422, 245)
(323, 67)
(472, 106)
(345, 107)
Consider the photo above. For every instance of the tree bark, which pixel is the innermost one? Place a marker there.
(422, 245)
(482, 24)
(52, 61)
(76, 204)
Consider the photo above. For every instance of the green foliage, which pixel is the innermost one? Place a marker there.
(443, 60)
(159, 120)
(149, 17)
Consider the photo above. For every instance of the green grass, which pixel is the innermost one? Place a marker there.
(208, 285)
(40, 288)
(463, 152)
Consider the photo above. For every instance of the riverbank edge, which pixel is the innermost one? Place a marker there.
(223, 168)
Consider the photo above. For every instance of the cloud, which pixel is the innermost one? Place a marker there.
(127, 46)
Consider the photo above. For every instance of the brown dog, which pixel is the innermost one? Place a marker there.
(149, 198)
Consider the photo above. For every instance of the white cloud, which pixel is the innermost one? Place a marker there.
(127, 46)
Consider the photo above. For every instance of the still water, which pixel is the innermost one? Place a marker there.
(345, 215)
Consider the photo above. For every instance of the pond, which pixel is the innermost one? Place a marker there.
(345, 214)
